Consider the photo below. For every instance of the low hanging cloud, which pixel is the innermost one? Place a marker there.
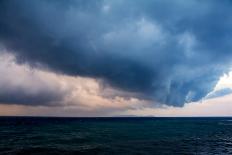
(171, 52)
(32, 87)
(23, 85)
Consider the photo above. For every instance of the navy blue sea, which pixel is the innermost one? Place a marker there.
(69, 136)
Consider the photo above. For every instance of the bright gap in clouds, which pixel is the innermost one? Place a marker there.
(222, 88)
(224, 82)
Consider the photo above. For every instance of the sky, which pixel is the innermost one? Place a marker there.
(115, 58)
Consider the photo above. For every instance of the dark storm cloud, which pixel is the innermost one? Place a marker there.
(167, 51)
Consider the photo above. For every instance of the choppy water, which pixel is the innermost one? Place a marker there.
(64, 136)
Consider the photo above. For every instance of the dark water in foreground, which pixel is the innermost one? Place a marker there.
(64, 136)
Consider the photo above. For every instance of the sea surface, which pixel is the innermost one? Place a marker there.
(115, 136)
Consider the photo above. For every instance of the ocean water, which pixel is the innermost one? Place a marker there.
(69, 136)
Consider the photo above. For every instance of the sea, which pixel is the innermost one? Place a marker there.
(115, 136)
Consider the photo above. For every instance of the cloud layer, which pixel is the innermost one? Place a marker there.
(171, 52)
(42, 89)
(22, 85)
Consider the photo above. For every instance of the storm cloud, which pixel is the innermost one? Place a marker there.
(171, 52)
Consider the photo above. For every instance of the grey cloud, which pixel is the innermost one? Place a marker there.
(219, 93)
(25, 86)
(166, 51)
